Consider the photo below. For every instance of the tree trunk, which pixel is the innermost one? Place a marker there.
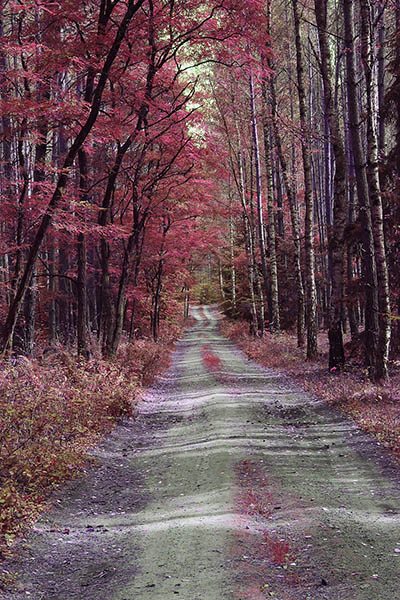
(130, 264)
(51, 255)
(248, 236)
(221, 282)
(312, 326)
(157, 298)
(233, 269)
(369, 265)
(81, 249)
(260, 221)
(29, 309)
(368, 61)
(275, 324)
(250, 273)
(186, 303)
(336, 241)
(294, 214)
(113, 343)
(278, 186)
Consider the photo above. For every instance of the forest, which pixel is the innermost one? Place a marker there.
(160, 153)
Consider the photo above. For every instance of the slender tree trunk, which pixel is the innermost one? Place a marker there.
(396, 72)
(368, 60)
(29, 309)
(23, 192)
(278, 187)
(51, 255)
(273, 265)
(250, 273)
(113, 344)
(166, 224)
(38, 177)
(294, 214)
(65, 293)
(381, 84)
(312, 326)
(130, 265)
(186, 302)
(369, 265)
(157, 298)
(233, 269)
(257, 277)
(352, 297)
(107, 312)
(248, 236)
(256, 146)
(81, 249)
(336, 241)
(221, 282)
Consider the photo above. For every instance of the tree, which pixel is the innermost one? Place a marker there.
(312, 347)
(110, 57)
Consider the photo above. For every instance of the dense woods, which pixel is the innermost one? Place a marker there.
(142, 141)
(310, 133)
(101, 177)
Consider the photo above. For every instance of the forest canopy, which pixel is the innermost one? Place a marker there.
(150, 149)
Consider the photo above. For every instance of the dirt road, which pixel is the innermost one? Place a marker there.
(231, 484)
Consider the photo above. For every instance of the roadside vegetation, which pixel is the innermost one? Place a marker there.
(53, 409)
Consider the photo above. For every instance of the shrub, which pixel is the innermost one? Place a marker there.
(50, 415)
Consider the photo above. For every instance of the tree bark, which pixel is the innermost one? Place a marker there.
(336, 241)
(233, 268)
(51, 256)
(248, 237)
(29, 310)
(221, 282)
(81, 249)
(260, 215)
(368, 60)
(294, 214)
(275, 324)
(312, 326)
(369, 265)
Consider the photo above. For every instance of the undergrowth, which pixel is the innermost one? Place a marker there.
(53, 409)
(375, 408)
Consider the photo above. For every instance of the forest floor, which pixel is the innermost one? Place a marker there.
(231, 483)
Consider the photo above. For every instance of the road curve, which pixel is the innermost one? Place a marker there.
(231, 484)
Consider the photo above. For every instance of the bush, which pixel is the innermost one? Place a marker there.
(53, 409)
(144, 359)
(50, 415)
